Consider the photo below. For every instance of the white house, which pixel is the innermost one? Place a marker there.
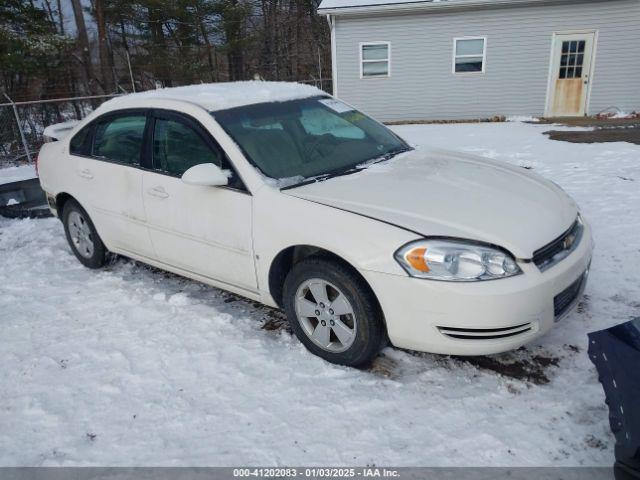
(457, 59)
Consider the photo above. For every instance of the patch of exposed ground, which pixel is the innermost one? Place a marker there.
(598, 135)
(530, 365)
(603, 130)
(520, 365)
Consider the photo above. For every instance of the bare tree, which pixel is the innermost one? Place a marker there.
(83, 44)
(103, 47)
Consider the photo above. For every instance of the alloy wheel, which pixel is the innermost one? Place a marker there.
(326, 315)
(80, 233)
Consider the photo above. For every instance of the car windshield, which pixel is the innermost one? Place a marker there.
(312, 137)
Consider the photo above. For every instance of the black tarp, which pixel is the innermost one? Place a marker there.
(616, 354)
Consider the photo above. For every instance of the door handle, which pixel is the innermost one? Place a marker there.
(85, 173)
(158, 192)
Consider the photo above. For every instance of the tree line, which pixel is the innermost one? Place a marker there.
(116, 46)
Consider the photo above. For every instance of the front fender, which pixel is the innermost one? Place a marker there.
(282, 221)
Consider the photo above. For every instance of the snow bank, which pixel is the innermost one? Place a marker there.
(522, 118)
(221, 96)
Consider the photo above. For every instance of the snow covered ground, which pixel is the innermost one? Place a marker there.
(133, 366)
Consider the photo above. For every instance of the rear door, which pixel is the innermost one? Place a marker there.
(108, 158)
(200, 229)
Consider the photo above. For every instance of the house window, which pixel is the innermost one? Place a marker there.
(469, 54)
(375, 59)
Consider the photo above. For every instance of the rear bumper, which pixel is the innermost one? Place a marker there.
(480, 318)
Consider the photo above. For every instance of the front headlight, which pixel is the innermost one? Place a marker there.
(455, 261)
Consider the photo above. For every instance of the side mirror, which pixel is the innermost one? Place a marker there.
(206, 175)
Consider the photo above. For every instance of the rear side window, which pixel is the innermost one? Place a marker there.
(177, 148)
(120, 139)
(81, 142)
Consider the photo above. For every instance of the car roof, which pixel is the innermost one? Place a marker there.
(219, 96)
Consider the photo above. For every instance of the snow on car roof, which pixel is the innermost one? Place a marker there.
(221, 96)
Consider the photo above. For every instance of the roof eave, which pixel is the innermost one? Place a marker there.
(430, 5)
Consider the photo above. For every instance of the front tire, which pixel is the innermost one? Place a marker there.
(82, 236)
(333, 312)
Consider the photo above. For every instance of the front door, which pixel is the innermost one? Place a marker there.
(200, 229)
(570, 74)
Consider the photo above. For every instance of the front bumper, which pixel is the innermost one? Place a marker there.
(480, 318)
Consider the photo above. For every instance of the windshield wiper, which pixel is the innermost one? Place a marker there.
(304, 182)
(390, 155)
(324, 176)
(350, 170)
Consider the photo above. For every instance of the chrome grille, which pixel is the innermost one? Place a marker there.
(560, 248)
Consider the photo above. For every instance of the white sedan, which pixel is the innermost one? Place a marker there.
(285, 195)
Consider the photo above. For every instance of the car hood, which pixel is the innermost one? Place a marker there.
(443, 193)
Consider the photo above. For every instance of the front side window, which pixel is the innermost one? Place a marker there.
(469, 55)
(177, 148)
(120, 139)
(307, 138)
(375, 59)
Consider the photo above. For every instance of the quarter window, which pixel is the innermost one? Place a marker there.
(177, 148)
(81, 142)
(469, 55)
(120, 139)
(375, 59)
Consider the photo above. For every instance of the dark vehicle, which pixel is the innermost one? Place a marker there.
(616, 355)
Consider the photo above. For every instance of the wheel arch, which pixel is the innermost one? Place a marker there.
(61, 199)
(284, 261)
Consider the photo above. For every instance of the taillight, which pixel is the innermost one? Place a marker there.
(37, 156)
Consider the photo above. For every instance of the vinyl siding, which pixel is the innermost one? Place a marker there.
(422, 85)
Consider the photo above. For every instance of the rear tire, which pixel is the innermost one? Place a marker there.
(333, 312)
(82, 236)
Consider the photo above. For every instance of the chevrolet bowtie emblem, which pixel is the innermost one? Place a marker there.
(568, 242)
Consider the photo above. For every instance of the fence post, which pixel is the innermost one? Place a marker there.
(320, 68)
(133, 83)
(22, 137)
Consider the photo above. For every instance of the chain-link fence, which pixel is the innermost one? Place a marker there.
(22, 123)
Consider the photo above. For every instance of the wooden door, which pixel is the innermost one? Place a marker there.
(570, 74)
